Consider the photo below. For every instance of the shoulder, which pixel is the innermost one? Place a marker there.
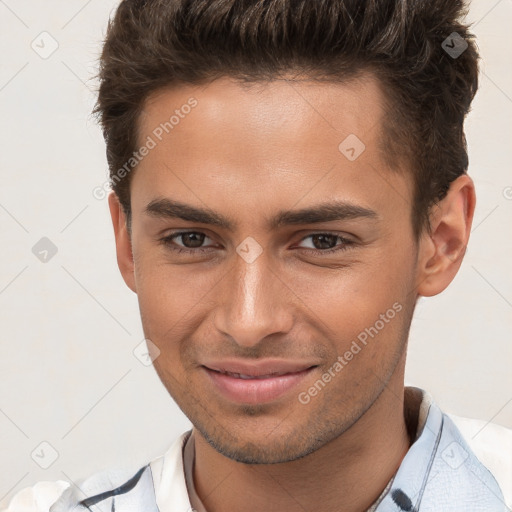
(105, 488)
(492, 445)
(38, 498)
(113, 489)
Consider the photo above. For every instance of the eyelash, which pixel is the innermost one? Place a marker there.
(168, 241)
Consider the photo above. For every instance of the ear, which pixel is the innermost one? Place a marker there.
(123, 241)
(441, 251)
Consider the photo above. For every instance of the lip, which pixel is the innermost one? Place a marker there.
(258, 368)
(270, 380)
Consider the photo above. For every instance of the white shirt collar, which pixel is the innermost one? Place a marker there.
(173, 471)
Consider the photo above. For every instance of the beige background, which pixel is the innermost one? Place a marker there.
(69, 326)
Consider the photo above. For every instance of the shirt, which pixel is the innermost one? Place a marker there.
(453, 464)
(195, 501)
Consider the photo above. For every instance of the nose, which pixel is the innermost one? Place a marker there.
(254, 302)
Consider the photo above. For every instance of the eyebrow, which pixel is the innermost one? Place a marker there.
(164, 208)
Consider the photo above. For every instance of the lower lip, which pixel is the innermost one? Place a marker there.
(256, 391)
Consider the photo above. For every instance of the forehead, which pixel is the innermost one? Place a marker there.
(261, 140)
(285, 111)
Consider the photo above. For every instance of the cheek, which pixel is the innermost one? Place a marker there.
(167, 292)
(355, 294)
(359, 306)
(173, 301)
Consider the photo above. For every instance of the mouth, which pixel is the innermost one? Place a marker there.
(242, 376)
(255, 387)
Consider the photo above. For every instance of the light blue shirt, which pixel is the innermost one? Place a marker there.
(439, 473)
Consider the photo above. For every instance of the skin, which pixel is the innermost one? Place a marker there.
(247, 153)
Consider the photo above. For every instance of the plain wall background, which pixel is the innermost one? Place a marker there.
(69, 326)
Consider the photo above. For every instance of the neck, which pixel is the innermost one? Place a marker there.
(351, 470)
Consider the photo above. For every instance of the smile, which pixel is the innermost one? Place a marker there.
(255, 389)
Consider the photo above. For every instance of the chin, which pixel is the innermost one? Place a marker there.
(273, 447)
(274, 452)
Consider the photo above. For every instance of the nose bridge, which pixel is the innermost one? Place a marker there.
(253, 304)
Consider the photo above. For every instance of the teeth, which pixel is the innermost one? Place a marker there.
(242, 376)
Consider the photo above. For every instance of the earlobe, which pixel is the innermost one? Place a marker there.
(442, 250)
(123, 242)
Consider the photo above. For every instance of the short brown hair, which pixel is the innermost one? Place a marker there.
(151, 44)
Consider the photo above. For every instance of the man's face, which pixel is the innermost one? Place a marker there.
(300, 294)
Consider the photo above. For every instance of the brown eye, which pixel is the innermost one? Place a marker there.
(324, 241)
(192, 240)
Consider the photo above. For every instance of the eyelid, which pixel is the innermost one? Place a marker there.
(345, 244)
(174, 235)
(169, 240)
(341, 236)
